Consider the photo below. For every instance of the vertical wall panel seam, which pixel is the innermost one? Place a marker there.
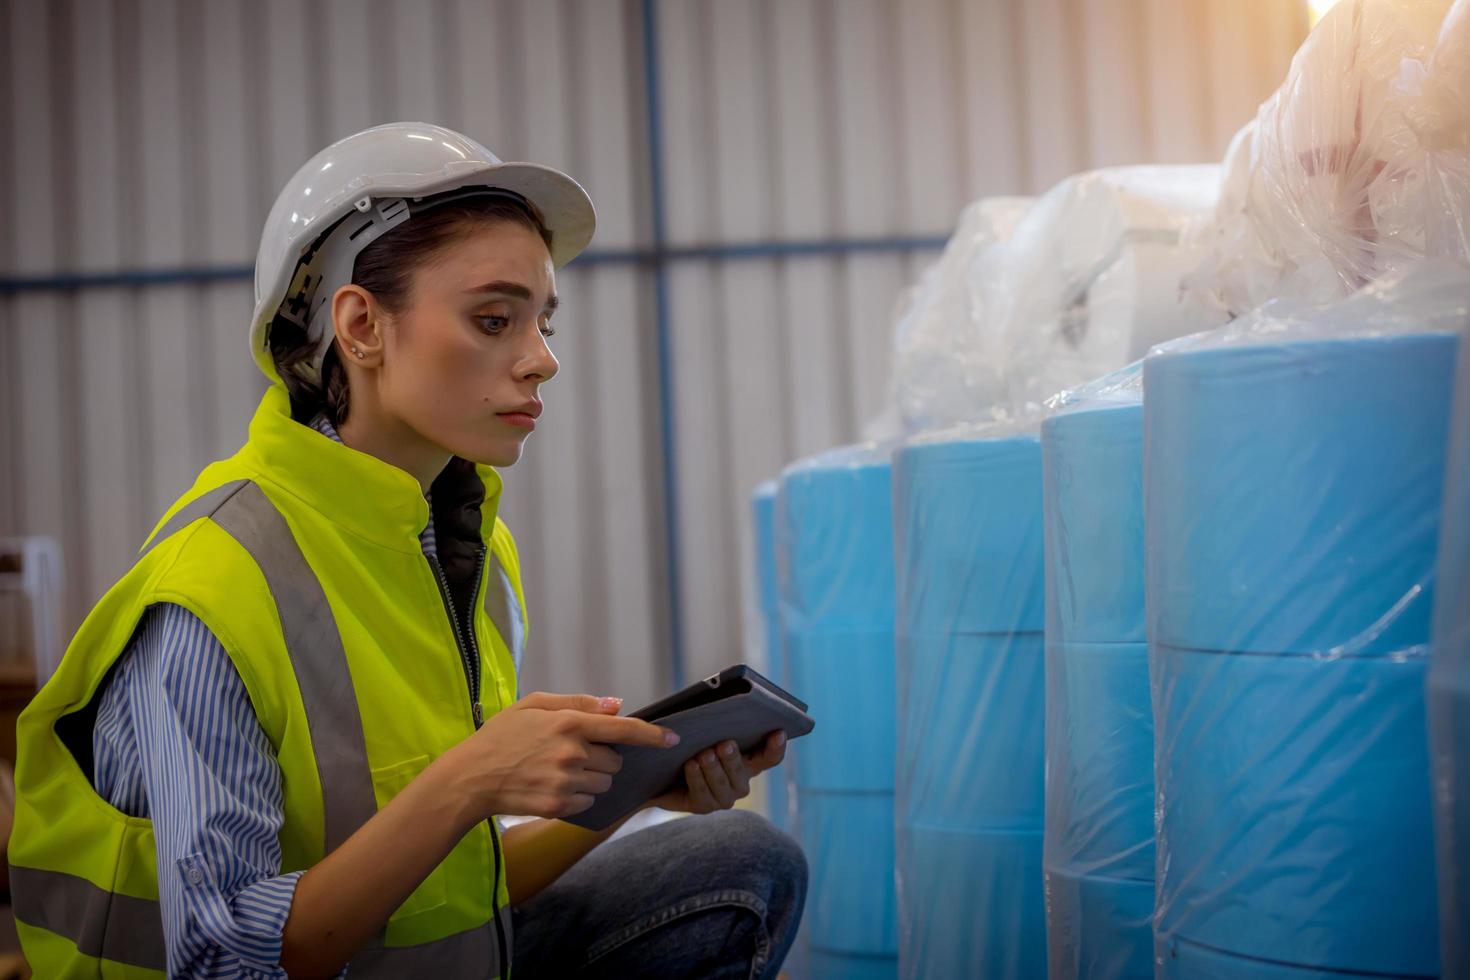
(668, 428)
(15, 484)
(592, 492)
(1204, 82)
(781, 279)
(964, 162)
(1022, 115)
(318, 122)
(844, 394)
(445, 36)
(126, 181)
(252, 46)
(1080, 54)
(661, 618)
(510, 68)
(510, 78)
(1260, 57)
(717, 322)
(62, 92)
(252, 43)
(890, 55)
(8, 144)
(130, 178)
(383, 88)
(200, 341)
(1143, 30)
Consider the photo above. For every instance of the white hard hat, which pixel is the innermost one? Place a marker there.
(352, 192)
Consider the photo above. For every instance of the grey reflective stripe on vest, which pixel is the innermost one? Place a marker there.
(201, 506)
(453, 956)
(100, 923)
(504, 610)
(315, 647)
(313, 644)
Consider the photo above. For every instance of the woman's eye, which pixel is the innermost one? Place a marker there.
(493, 324)
(547, 330)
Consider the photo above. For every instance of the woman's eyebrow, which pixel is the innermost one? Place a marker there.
(505, 287)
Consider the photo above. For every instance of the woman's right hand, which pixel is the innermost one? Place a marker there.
(547, 755)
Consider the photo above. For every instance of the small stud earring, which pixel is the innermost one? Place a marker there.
(357, 352)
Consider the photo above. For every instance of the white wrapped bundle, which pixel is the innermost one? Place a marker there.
(1358, 165)
(1090, 279)
(940, 375)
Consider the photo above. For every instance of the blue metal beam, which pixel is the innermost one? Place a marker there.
(668, 433)
(651, 257)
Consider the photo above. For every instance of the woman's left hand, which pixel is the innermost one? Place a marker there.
(720, 775)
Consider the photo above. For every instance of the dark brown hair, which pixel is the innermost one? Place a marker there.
(386, 268)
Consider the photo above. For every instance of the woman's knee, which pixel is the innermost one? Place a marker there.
(762, 858)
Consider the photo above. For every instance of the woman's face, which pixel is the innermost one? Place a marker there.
(464, 361)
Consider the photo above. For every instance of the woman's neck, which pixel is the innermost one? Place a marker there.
(395, 443)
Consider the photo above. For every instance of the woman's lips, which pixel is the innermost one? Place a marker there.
(521, 420)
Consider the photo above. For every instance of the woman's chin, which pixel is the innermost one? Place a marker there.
(498, 453)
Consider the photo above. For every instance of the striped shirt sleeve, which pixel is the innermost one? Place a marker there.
(207, 777)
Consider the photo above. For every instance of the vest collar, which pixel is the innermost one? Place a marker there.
(360, 492)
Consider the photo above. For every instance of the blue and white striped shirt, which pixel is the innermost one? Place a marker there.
(177, 740)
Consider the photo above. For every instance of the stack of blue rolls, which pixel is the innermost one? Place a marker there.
(970, 701)
(1293, 494)
(1449, 690)
(1099, 852)
(834, 553)
(763, 508)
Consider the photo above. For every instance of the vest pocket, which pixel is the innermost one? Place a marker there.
(432, 892)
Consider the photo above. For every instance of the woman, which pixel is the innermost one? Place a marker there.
(278, 745)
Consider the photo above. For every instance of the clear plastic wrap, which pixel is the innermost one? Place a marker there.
(1357, 166)
(763, 627)
(1441, 116)
(1089, 280)
(940, 375)
(1293, 470)
(1449, 689)
(1090, 273)
(834, 564)
(1099, 841)
(969, 628)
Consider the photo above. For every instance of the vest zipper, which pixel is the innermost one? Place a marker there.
(469, 655)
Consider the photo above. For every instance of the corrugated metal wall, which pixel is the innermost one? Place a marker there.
(806, 151)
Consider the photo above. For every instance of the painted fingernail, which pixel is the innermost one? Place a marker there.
(671, 738)
(780, 739)
(610, 704)
(728, 749)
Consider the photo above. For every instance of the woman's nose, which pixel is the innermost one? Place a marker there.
(537, 362)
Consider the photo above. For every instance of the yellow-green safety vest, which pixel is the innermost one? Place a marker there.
(359, 655)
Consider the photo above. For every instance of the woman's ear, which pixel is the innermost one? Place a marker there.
(357, 322)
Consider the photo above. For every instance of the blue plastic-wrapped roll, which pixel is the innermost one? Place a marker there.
(834, 559)
(1293, 491)
(1099, 849)
(763, 510)
(1449, 690)
(967, 528)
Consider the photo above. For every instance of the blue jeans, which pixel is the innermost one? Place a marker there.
(717, 896)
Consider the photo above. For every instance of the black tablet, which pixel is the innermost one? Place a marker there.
(737, 704)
